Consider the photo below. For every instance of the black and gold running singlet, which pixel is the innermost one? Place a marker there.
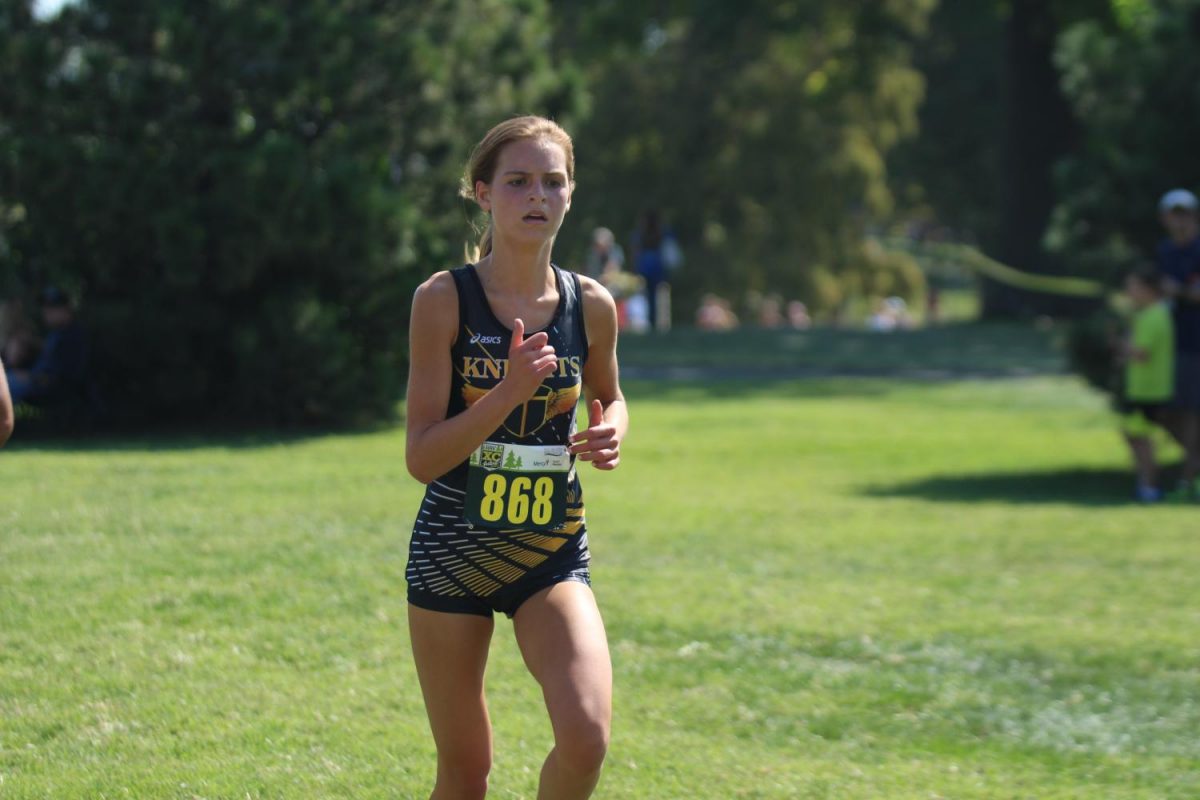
(497, 526)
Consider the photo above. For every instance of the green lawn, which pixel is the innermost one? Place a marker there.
(814, 588)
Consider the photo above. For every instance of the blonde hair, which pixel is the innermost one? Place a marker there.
(486, 156)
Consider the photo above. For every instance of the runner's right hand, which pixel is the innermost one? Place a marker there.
(530, 361)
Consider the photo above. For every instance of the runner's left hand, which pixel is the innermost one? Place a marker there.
(598, 444)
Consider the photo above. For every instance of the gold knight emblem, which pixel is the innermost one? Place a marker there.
(530, 417)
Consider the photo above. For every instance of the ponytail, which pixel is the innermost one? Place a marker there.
(485, 241)
(473, 253)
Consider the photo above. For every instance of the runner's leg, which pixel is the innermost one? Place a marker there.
(451, 652)
(562, 638)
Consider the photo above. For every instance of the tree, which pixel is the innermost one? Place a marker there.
(759, 129)
(1132, 88)
(993, 129)
(245, 194)
(950, 173)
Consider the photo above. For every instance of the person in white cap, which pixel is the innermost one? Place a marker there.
(1179, 263)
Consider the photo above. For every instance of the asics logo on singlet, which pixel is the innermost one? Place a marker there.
(479, 339)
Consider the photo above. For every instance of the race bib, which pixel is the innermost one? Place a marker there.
(517, 486)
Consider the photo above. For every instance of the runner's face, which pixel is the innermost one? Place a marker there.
(530, 194)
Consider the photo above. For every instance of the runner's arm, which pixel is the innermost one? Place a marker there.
(435, 444)
(601, 442)
(7, 419)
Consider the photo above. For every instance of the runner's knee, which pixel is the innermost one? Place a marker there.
(582, 746)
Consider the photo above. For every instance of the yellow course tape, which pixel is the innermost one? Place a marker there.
(968, 257)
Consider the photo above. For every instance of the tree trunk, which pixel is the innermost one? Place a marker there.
(1039, 130)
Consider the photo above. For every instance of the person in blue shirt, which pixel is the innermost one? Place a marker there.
(656, 255)
(60, 372)
(1179, 265)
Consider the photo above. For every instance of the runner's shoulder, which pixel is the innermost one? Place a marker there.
(437, 292)
(599, 312)
(435, 302)
(595, 295)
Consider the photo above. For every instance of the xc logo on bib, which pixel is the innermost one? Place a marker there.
(517, 486)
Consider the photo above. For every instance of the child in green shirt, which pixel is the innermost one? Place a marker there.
(1149, 356)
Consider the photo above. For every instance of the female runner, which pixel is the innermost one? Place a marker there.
(500, 351)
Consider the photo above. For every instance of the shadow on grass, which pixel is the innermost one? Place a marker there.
(1080, 485)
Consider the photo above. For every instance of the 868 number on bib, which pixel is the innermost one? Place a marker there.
(510, 499)
(517, 501)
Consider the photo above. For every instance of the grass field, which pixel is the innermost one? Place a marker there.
(814, 588)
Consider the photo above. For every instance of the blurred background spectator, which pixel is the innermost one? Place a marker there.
(890, 314)
(59, 375)
(605, 255)
(715, 314)
(797, 315)
(657, 254)
(19, 340)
